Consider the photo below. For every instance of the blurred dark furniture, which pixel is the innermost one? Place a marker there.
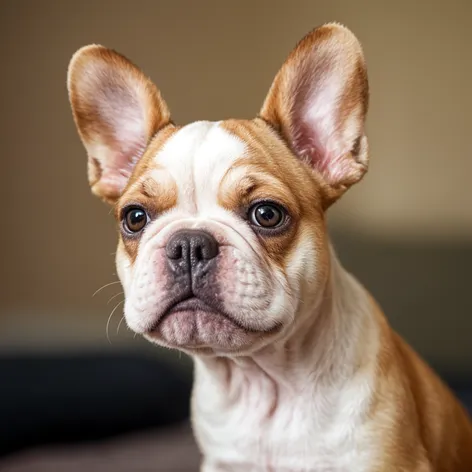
(82, 398)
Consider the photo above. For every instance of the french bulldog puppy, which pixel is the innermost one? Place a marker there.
(224, 254)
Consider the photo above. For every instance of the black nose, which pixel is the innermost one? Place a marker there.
(188, 250)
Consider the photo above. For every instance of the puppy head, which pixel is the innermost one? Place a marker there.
(222, 240)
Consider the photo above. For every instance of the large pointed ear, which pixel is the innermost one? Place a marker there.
(318, 102)
(117, 110)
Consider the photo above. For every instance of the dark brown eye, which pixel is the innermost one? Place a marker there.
(267, 215)
(135, 220)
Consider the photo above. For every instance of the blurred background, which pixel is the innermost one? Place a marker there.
(74, 396)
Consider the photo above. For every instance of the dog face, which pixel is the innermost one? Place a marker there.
(222, 230)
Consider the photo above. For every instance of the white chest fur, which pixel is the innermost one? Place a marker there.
(247, 420)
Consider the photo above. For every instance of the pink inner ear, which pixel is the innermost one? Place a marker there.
(117, 110)
(115, 160)
(121, 137)
(316, 132)
(124, 116)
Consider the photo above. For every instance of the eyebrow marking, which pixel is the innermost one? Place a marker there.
(149, 188)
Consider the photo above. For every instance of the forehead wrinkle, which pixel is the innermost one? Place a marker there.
(155, 190)
(268, 151)
(248, 181)
(238, 179)
(147, 161)
(150, 188)
(134, 187)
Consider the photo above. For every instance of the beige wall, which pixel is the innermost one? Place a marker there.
(214, 60)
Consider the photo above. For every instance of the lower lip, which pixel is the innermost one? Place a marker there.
(196, 307)
(192, 304)
(195, 328)
(193, 309)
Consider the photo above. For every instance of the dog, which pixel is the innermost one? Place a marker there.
(224, 254)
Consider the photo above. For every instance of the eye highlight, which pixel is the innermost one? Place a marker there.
(267, 215)
(134, 219)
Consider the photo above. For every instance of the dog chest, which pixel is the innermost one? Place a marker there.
(256, 427)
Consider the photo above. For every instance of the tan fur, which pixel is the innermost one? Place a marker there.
(156, 198)
(147, 163)
(268, 174)
(419, 423)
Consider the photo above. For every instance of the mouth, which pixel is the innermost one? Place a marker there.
(194, 306)
(193, 324)
(190, 304)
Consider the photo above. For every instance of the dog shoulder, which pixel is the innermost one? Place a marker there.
(415, 407)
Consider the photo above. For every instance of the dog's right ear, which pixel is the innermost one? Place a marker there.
(117, 110)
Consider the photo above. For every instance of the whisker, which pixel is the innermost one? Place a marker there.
(114, 296)
(119, 324)
(105, 286)
(109, 318)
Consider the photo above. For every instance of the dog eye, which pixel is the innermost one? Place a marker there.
(135, 219)
(267, 215)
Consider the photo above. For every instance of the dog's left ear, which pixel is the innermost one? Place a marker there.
(318, 102)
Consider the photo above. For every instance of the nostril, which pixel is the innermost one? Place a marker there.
(209, 250)
(198, 253)
(204, 247)
(178, 252)
(174, 250)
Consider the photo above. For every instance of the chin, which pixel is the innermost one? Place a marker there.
(194, 327)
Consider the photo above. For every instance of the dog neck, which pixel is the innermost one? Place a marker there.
(331, 342)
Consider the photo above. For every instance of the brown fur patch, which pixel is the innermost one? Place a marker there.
(419, 423)
(155, 196)
(147, 161)
(271, 171)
